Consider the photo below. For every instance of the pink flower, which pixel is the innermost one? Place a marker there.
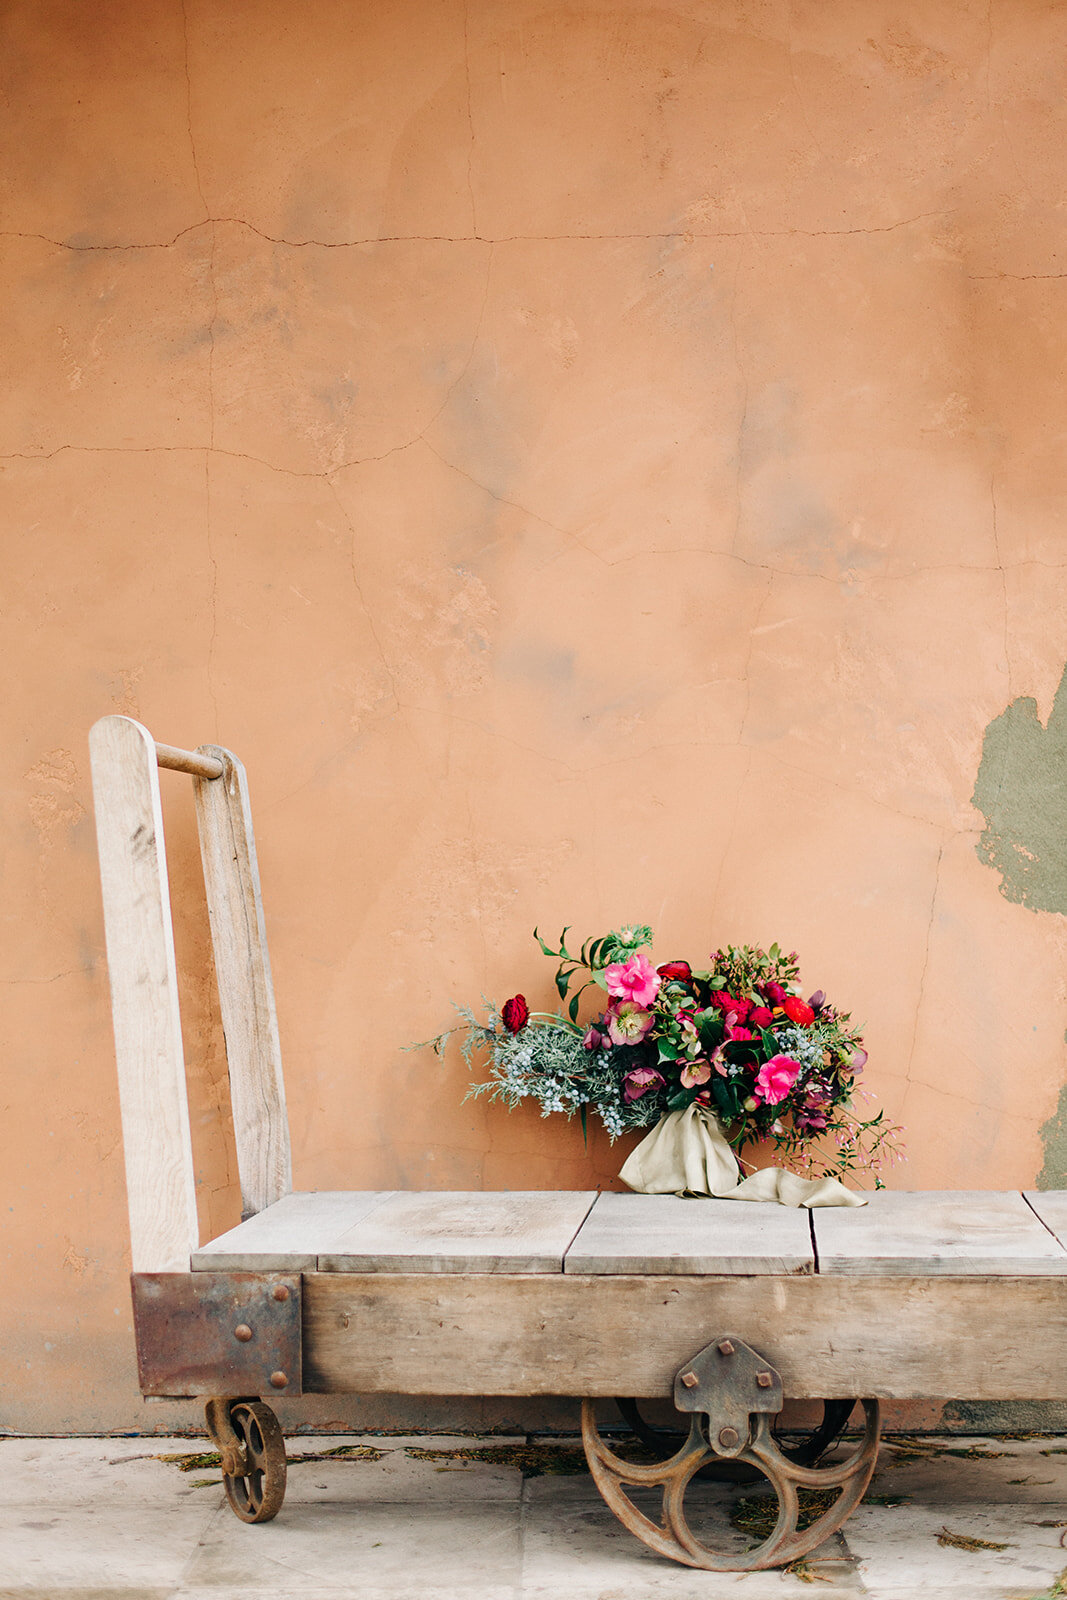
(775, 1079)
(695, 1072)
(593, 1039)
(628, 1023)
(636, 979)
(640, 1081)
(738, 1033)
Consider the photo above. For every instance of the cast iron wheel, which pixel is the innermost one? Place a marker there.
(256, 1495)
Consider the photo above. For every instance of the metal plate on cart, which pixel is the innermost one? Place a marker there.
(231, 1333)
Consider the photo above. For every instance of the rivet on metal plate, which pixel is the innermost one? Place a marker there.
(690, 1380)
(725, 1348)
(278, 1380)
(728, 1437)
(242, 1332)
(280, 1292)
(764, 1380)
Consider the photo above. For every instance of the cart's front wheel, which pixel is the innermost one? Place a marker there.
(256, 1493)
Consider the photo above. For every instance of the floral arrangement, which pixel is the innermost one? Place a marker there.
(736, 1038)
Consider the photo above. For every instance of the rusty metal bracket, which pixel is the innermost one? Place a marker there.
(730, 1383)
(218, 1333)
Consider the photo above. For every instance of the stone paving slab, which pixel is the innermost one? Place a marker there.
(102, 1519)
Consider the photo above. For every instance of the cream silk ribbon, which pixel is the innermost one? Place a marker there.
(687, 1153)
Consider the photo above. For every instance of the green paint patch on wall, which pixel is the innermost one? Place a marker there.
(1021, 790)
(1053, 1174)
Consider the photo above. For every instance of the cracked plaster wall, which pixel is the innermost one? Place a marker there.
(593, 463)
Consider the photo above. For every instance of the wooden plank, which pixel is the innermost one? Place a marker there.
(1051, 1207)
(572, 1334)
(160, 1185)
(521, 1231)
(290, 1235)
(661, 1233)
(246, 992)
(988, 1232)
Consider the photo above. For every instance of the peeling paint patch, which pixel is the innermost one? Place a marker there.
(1053, 1134)
(1021, 790)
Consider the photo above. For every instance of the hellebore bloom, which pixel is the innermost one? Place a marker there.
(775, 1079)
(515, 1013)
(676, 969)
(640, 1081)
(817, 1000)
(859, 1061)
(797, 1011)
(695, 1072)
(636, 979)
(593, 1038)
(628, 1023)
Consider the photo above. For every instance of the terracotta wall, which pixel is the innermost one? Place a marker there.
(594, 464)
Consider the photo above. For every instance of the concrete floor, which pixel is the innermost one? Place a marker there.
(106, 1519)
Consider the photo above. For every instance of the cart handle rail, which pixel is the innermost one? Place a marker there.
(160, 1183)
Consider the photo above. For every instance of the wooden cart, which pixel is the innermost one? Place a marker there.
(722, 1307)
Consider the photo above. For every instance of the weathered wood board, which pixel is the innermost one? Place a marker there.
(899, 1338)
(160, 1183)
(661, 1233)
(987, 1232)
(1051, 1207)
(291, 1234)
(246, 992)
(520, 1231)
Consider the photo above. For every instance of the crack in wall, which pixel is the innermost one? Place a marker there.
(922, 976)
(666, 235)
(358, 586)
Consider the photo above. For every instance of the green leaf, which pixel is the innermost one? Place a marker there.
(584, 1113)
(667, 1050)
(679, 1102)
(573, 1006)
(563, 982)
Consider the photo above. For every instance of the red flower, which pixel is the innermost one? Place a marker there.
(796, 1010)
(676, 969)
(761, 1017)
(726, 1003)
(775, 993)
(515, 1013)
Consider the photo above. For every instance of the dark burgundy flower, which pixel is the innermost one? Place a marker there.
(774, 992)
(797, 1011)
(760, 1017)
(681, 970)
(817, 1000)
(515, 1013)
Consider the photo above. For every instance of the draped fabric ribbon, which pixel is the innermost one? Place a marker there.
(687, 1153)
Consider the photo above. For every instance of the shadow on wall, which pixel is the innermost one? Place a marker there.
(1021, 790)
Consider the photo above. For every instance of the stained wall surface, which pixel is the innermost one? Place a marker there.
(594, 463)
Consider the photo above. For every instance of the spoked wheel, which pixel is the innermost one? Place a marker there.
(730, 1393)
(673, 1536)
(252, 1449)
